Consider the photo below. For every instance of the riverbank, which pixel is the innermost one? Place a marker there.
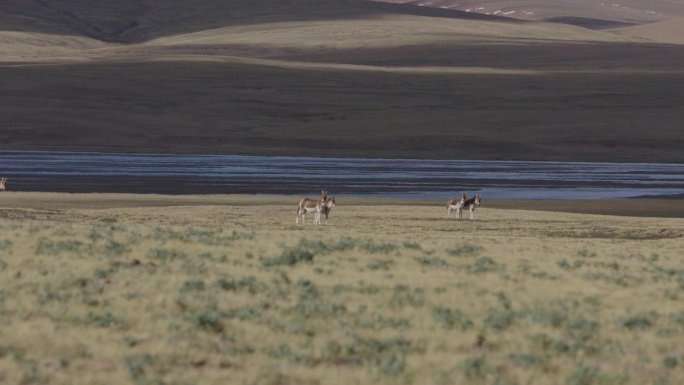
(41, 201)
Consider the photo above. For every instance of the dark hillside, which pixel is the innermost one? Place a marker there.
(332, 78)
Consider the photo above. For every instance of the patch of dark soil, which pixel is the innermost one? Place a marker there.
(589, 23)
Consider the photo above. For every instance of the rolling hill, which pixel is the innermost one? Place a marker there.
(668, 31)
(332, 77)
(585, 13)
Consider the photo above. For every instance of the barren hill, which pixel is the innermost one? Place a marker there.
(668, 31)
(331, 77)
(590, 14)
(619, 11)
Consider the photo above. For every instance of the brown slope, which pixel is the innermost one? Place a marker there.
(508, 90)
(568, 11)
(668, 31)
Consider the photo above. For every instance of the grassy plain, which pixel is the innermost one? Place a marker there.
(107, 288)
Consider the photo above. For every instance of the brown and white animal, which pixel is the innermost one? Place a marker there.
(325, 209)
(470, 204)
(3, 184)
(455, 204)
(308, 205)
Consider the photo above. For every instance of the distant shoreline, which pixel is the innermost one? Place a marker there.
(334, 153)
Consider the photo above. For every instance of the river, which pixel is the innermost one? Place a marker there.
(232, 174)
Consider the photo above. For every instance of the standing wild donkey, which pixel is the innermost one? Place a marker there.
(3, 184)
(470, 204)
(327, 207)
(455, 204)
(307, 205)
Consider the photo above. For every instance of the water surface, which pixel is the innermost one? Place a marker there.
(225, 174)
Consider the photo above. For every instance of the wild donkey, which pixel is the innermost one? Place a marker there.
(470, 204)
(455, 204)
(307, 205)
(3, 184)
(327, 207)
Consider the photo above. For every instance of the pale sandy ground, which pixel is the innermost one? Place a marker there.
(638, 219)
(673, 208)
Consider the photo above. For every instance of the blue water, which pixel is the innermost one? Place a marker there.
(214, 174)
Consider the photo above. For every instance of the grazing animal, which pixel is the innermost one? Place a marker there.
(325, 209)
(470, 204)
(3, 184)
(455, 204)
(308, 205)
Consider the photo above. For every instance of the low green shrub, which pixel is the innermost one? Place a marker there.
(451, 318)
(466, 250)
(640, 321)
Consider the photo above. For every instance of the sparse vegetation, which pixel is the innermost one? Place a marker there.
(82, 301)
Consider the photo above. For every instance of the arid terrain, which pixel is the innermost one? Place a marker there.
(116, 288)
(227, 289)
(342, 78)
(659, 20)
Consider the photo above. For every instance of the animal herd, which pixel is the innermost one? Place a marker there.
(325, 205)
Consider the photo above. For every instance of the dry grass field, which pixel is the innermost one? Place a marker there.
(150, 289)
(342, 78)
(107, 288)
